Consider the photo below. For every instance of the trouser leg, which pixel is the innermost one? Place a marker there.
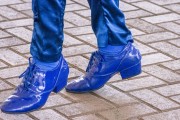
(48, 35)
(108, 23)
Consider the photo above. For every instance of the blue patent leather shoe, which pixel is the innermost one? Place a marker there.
(101, 68)
(36, 87)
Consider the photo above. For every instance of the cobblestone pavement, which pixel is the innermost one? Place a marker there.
(153, 95)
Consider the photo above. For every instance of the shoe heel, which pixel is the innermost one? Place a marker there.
(61, 84)
(131, 71)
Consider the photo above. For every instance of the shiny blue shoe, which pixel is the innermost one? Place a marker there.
(101, 69)
(36, 87)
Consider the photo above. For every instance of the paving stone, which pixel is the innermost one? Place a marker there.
(90, 39)
(4, 86)
(136, 14)
(174, 7)
(4, 34)
(171, 27)
(10, 13)
(176, 98)
(143, 48)
(69, 2)
(4, 95)
(162, 18)
(22, 48)
(116, 77)
(138, 83)
(162, 73)
(80, 97)
(167, 48)
(16, 23)
(76, 19)
(173, 65)
(114, 96)
(171, 115)
(87, 117)
(14, 116)
(78, 61)
(21, 32)
(24, 6)
(155, 37)
(68, 25)
(8, 2)
(164, 2)
(55, 100)
(27, 0)
(154, 58)
(77, 50)
(74, 73)
(6, 42)
(84, 107)
(79, 30)
(178, 21)
(2, 64)
(48, 114)
(82, 2)
(175, 42)
(2, 18)
(144, 26)
(15, 81)
(85, 13)
(68, 40)
(11, 57)
(28, 13)
(154, 99)
(136, 31)
(151, 7)
(73, 7)
(12, 72)
(131, 1)
(126, 7)
(169, 90)
(127, 112)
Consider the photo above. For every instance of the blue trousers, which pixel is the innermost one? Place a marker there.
(108, 24)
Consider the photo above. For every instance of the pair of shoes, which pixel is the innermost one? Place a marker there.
(37, 85)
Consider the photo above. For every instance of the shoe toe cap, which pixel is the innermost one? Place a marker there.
(78, 86)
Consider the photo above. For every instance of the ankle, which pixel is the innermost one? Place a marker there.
(45, 66)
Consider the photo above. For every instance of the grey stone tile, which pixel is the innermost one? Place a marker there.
(164, 2)
(138, 83)
(154, 99)
(154, 58)
(144, 26)
(136, 14)
(173, 65)
(162, 18)
(171, 27)
(153, 8)
(127, 112)
(162, 73)
(170, 115)
(48, 114)
(168, 90)
(167, 48)
(114, 96)
(155, 37)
